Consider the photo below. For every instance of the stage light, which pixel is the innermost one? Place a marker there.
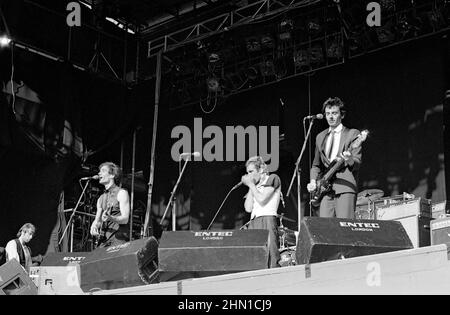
(4, 41)
(301, 58)
(253, 44)
(212, 84)
(213, 58)
(267, 68)
(267, 42)
(285, 29)
(252, 73)
(316, 54)
(334, 48)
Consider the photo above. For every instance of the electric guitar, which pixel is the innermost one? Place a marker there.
(324, 184)
(101, 238)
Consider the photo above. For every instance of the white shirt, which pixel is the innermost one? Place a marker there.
(337, 140)
(271, 207)
(12, 253)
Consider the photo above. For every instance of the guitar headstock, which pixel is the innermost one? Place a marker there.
(360, 139)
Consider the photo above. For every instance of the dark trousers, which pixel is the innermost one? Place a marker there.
(268, 223)
(340, 206)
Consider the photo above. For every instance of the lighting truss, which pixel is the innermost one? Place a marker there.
(250, 13)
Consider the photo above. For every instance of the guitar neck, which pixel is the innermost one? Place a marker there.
(333, 169)
(337, 165)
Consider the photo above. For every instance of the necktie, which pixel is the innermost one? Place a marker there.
(330, 149)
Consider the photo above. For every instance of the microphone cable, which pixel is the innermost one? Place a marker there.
(223, 202)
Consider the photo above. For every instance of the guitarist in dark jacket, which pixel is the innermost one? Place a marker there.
(331, 144)
(113, 208)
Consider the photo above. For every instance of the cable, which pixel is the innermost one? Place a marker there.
(223, 202)
(13, 93)
(208, 100)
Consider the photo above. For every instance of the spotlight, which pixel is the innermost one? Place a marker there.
(316, 54)
(213, 84)
(301, 58)
(267, 42)
(213, 58)
(4, 41)
(267, 68)
(285, 29)
(253, 44)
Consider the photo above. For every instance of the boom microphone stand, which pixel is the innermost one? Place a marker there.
(72, 216)
(172, 196)
(297, 173)
(223, 202)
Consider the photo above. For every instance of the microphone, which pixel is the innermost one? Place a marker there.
(90, 177)
(236, 186)
(318, 116)
(195, 154)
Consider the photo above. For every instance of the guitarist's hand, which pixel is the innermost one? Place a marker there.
(105, 216)
(94, 228)
(312, 186)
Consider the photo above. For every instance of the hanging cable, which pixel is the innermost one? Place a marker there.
(208, 98)
(13, 93)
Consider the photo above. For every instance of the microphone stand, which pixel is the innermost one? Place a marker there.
(172, 196)
(223, 202)
(72, 216)
(297, 173)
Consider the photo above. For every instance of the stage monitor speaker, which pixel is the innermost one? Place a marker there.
(130, 264)
(323, 239)
(194, 254)
(59, 274)
(15, 281)
(63, 259)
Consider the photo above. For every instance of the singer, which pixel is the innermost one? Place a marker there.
(113, 209)
(262, 200)
(335, 141)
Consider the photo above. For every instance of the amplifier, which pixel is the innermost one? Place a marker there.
(402, 208)
(438, 209)
(440, 231)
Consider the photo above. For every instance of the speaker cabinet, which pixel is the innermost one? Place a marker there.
(126, 265)
(15, 281)
(193, 254)
(323, 239)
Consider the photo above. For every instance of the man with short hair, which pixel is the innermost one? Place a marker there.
(17, 248)
(113, 208)
(331, 143)
(262, 200)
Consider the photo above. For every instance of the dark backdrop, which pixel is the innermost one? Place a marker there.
(396, 93)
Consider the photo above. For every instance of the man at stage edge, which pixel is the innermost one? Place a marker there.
(262, 200)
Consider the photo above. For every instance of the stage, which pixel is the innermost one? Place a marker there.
(423, 270)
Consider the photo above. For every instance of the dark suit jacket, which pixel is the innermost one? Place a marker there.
(346, 177)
